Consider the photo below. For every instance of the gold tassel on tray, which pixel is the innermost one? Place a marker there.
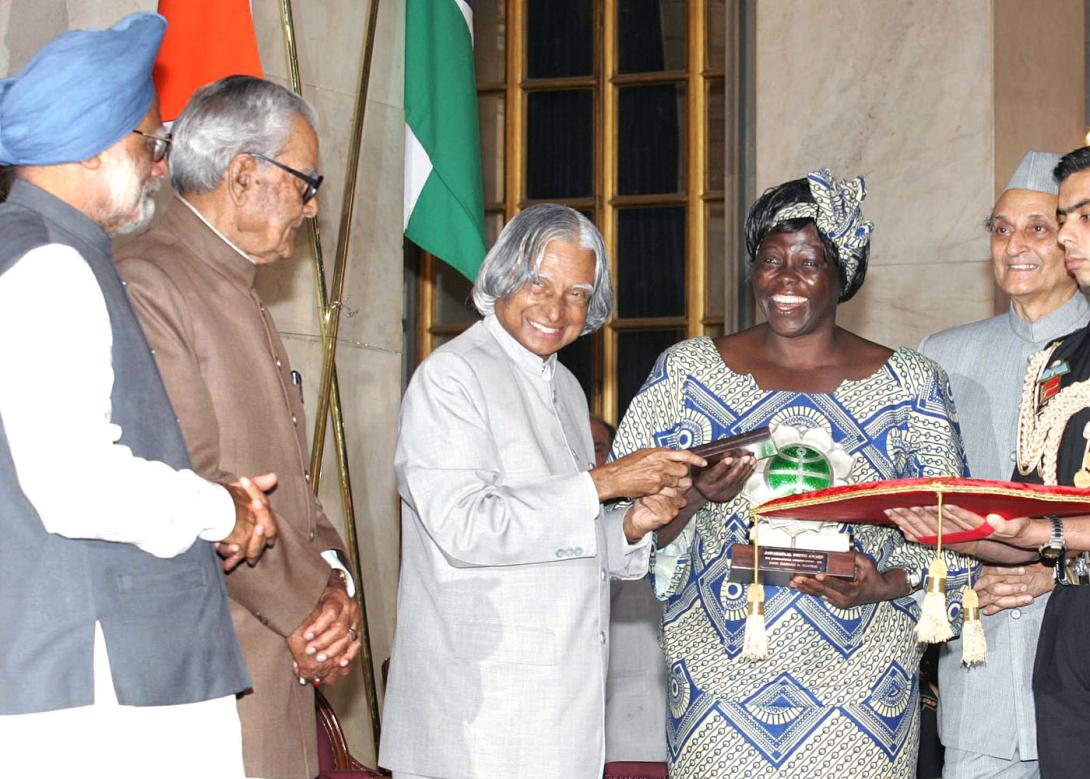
(934, 625)
(755, 638)
(974, 647)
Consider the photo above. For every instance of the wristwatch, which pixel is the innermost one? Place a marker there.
(1054, 548)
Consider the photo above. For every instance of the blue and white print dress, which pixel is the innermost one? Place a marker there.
(838, 695)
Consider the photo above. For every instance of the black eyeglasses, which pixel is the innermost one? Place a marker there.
(159, 144)
(312, 182)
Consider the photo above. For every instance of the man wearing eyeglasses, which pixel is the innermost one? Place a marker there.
(117, 650)
(243, 161)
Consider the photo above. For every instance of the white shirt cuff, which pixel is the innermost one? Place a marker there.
(217, 509)
(332, 557)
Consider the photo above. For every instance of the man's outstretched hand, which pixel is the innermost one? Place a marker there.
(645, 472)
(255, 525)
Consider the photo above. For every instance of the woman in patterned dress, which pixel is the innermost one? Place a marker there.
(838, 693)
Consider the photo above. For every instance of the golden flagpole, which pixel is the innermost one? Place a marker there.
(329, 397)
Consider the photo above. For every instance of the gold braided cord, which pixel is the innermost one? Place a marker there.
(1030, 441)
(938, 544)
(1040, 432)
(756, 550)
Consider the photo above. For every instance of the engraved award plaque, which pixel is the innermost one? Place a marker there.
(780, 564)
(805, 460)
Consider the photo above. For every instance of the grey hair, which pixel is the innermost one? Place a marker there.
(232, 116)
(516, 257)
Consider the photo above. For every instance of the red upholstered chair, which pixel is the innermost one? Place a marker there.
(635, 770)
(334, 759)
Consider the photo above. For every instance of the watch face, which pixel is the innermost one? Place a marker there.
(1050, 553)
(1054, 548)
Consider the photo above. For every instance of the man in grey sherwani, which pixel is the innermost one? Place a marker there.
(499, 662)
(986, 363)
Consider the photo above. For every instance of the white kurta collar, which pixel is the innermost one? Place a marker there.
(519, 354)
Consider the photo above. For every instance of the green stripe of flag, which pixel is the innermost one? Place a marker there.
(441, 110)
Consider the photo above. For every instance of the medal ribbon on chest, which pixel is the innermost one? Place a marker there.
(1046, 409)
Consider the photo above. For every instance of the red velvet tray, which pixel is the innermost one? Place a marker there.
(866, 503)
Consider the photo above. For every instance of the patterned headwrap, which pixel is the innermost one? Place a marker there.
(836, 213)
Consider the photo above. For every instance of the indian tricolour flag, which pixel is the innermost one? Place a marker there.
(444, 211)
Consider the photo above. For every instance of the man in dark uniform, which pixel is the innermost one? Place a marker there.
(1061, 674)
(1053, 448)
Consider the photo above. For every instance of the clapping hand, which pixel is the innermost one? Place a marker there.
(255, 526)
(1008, 587)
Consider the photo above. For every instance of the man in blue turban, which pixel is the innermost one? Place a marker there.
(78, 110)
(116, 638)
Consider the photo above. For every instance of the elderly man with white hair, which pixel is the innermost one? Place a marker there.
(243, 161)
(499, 660)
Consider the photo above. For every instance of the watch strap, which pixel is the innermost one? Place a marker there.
(1054, 548)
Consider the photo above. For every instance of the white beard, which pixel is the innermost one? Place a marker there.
(131, 204)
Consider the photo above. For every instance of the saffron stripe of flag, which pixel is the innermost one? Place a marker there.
(205, 41)
(444, 209)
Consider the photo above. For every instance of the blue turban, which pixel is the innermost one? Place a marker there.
(80, 94)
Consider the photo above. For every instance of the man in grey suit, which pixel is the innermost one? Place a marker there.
(986, 363)
(499, 660)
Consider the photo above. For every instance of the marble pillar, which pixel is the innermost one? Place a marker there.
(1039, 81)
(934, 103)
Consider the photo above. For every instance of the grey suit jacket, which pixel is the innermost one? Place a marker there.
(499, 658)
(986, 362)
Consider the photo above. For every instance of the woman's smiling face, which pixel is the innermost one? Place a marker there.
(796, 286)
